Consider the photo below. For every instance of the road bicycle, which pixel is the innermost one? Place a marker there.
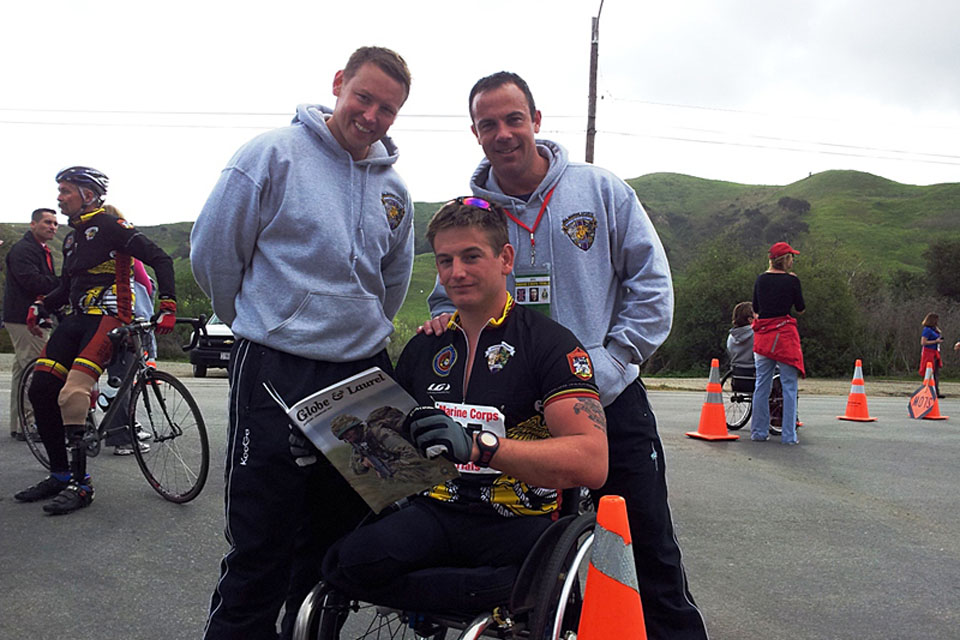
(161, 413)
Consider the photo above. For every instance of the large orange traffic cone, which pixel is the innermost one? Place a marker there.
(857, 400)
(713, 420)
(611, 601)
(929, 382)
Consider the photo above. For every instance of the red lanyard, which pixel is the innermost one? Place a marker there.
(532, 230)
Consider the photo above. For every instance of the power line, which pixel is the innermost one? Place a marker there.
(795, 116)
(822, 143)
(284, 114)
(842, 149)
(791, 149)
(150, 125)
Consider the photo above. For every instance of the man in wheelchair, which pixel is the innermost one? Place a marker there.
(524, 386)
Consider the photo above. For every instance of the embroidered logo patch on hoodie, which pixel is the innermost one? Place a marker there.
(581, 228)
(393, 206)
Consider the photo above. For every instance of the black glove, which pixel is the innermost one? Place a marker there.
(301, 449)
(435, 433)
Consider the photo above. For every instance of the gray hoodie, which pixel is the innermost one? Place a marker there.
(611, 281)
(303, 249)
(740, 347)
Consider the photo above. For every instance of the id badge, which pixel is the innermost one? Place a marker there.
(475, 418)
(533, 287)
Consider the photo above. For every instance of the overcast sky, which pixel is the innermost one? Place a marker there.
(160, 95)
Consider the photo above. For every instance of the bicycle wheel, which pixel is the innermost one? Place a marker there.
(178, 457)
(736, 405)
(29, 427)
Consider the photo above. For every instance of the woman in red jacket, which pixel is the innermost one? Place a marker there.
(776, 342)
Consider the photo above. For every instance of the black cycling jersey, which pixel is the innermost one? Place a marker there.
(524, 361)
(96, 273)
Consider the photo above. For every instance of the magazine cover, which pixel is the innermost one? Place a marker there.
(356, 424)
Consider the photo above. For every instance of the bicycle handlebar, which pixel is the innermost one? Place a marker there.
(199, 325)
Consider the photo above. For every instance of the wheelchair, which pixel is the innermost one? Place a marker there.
(737, 388)
(545, 601)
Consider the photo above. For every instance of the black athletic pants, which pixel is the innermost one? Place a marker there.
(280, 517)
(434, 557)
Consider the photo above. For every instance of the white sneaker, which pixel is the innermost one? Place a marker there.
(142, 435)
(127, 449)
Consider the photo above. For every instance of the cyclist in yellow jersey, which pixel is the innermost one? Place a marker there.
(95, 287)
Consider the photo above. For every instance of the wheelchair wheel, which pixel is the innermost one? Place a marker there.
(556, 612)
(736, 405)
(776, 406)
(326, 615)
(29, 427)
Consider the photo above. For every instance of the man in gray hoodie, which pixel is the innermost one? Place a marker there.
(586, 248)
(305, 247)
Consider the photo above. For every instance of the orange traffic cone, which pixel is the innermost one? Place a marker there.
(857, 400)
(611, 601)
(928, 382)
(713, 420)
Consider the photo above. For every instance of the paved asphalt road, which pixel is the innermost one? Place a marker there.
(852, 535)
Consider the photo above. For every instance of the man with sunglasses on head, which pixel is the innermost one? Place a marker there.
(528, 385)
(582, 237)
(305, 247)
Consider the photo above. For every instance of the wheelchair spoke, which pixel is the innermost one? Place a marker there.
(737, 405)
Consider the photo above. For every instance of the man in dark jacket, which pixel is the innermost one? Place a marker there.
(29, 275)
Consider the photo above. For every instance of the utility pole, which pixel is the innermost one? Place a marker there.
(592, 100)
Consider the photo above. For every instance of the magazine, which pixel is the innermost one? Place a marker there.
(356, 424)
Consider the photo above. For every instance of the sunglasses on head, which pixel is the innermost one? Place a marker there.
(472, 201)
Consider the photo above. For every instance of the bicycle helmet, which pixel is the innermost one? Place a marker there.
(85, 177)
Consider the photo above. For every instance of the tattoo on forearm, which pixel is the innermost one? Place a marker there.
(593, 410)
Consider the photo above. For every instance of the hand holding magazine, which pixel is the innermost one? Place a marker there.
(356, 424)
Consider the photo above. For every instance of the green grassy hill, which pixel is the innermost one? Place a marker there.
(888, 224)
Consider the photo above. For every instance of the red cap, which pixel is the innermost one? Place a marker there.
(781, 249)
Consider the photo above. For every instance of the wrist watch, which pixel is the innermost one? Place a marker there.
(488, 443)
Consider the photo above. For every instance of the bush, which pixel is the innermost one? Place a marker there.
(720, 277)
(943, 266)
(716, 280)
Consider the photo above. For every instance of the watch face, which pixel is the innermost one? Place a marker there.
(488, 439)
